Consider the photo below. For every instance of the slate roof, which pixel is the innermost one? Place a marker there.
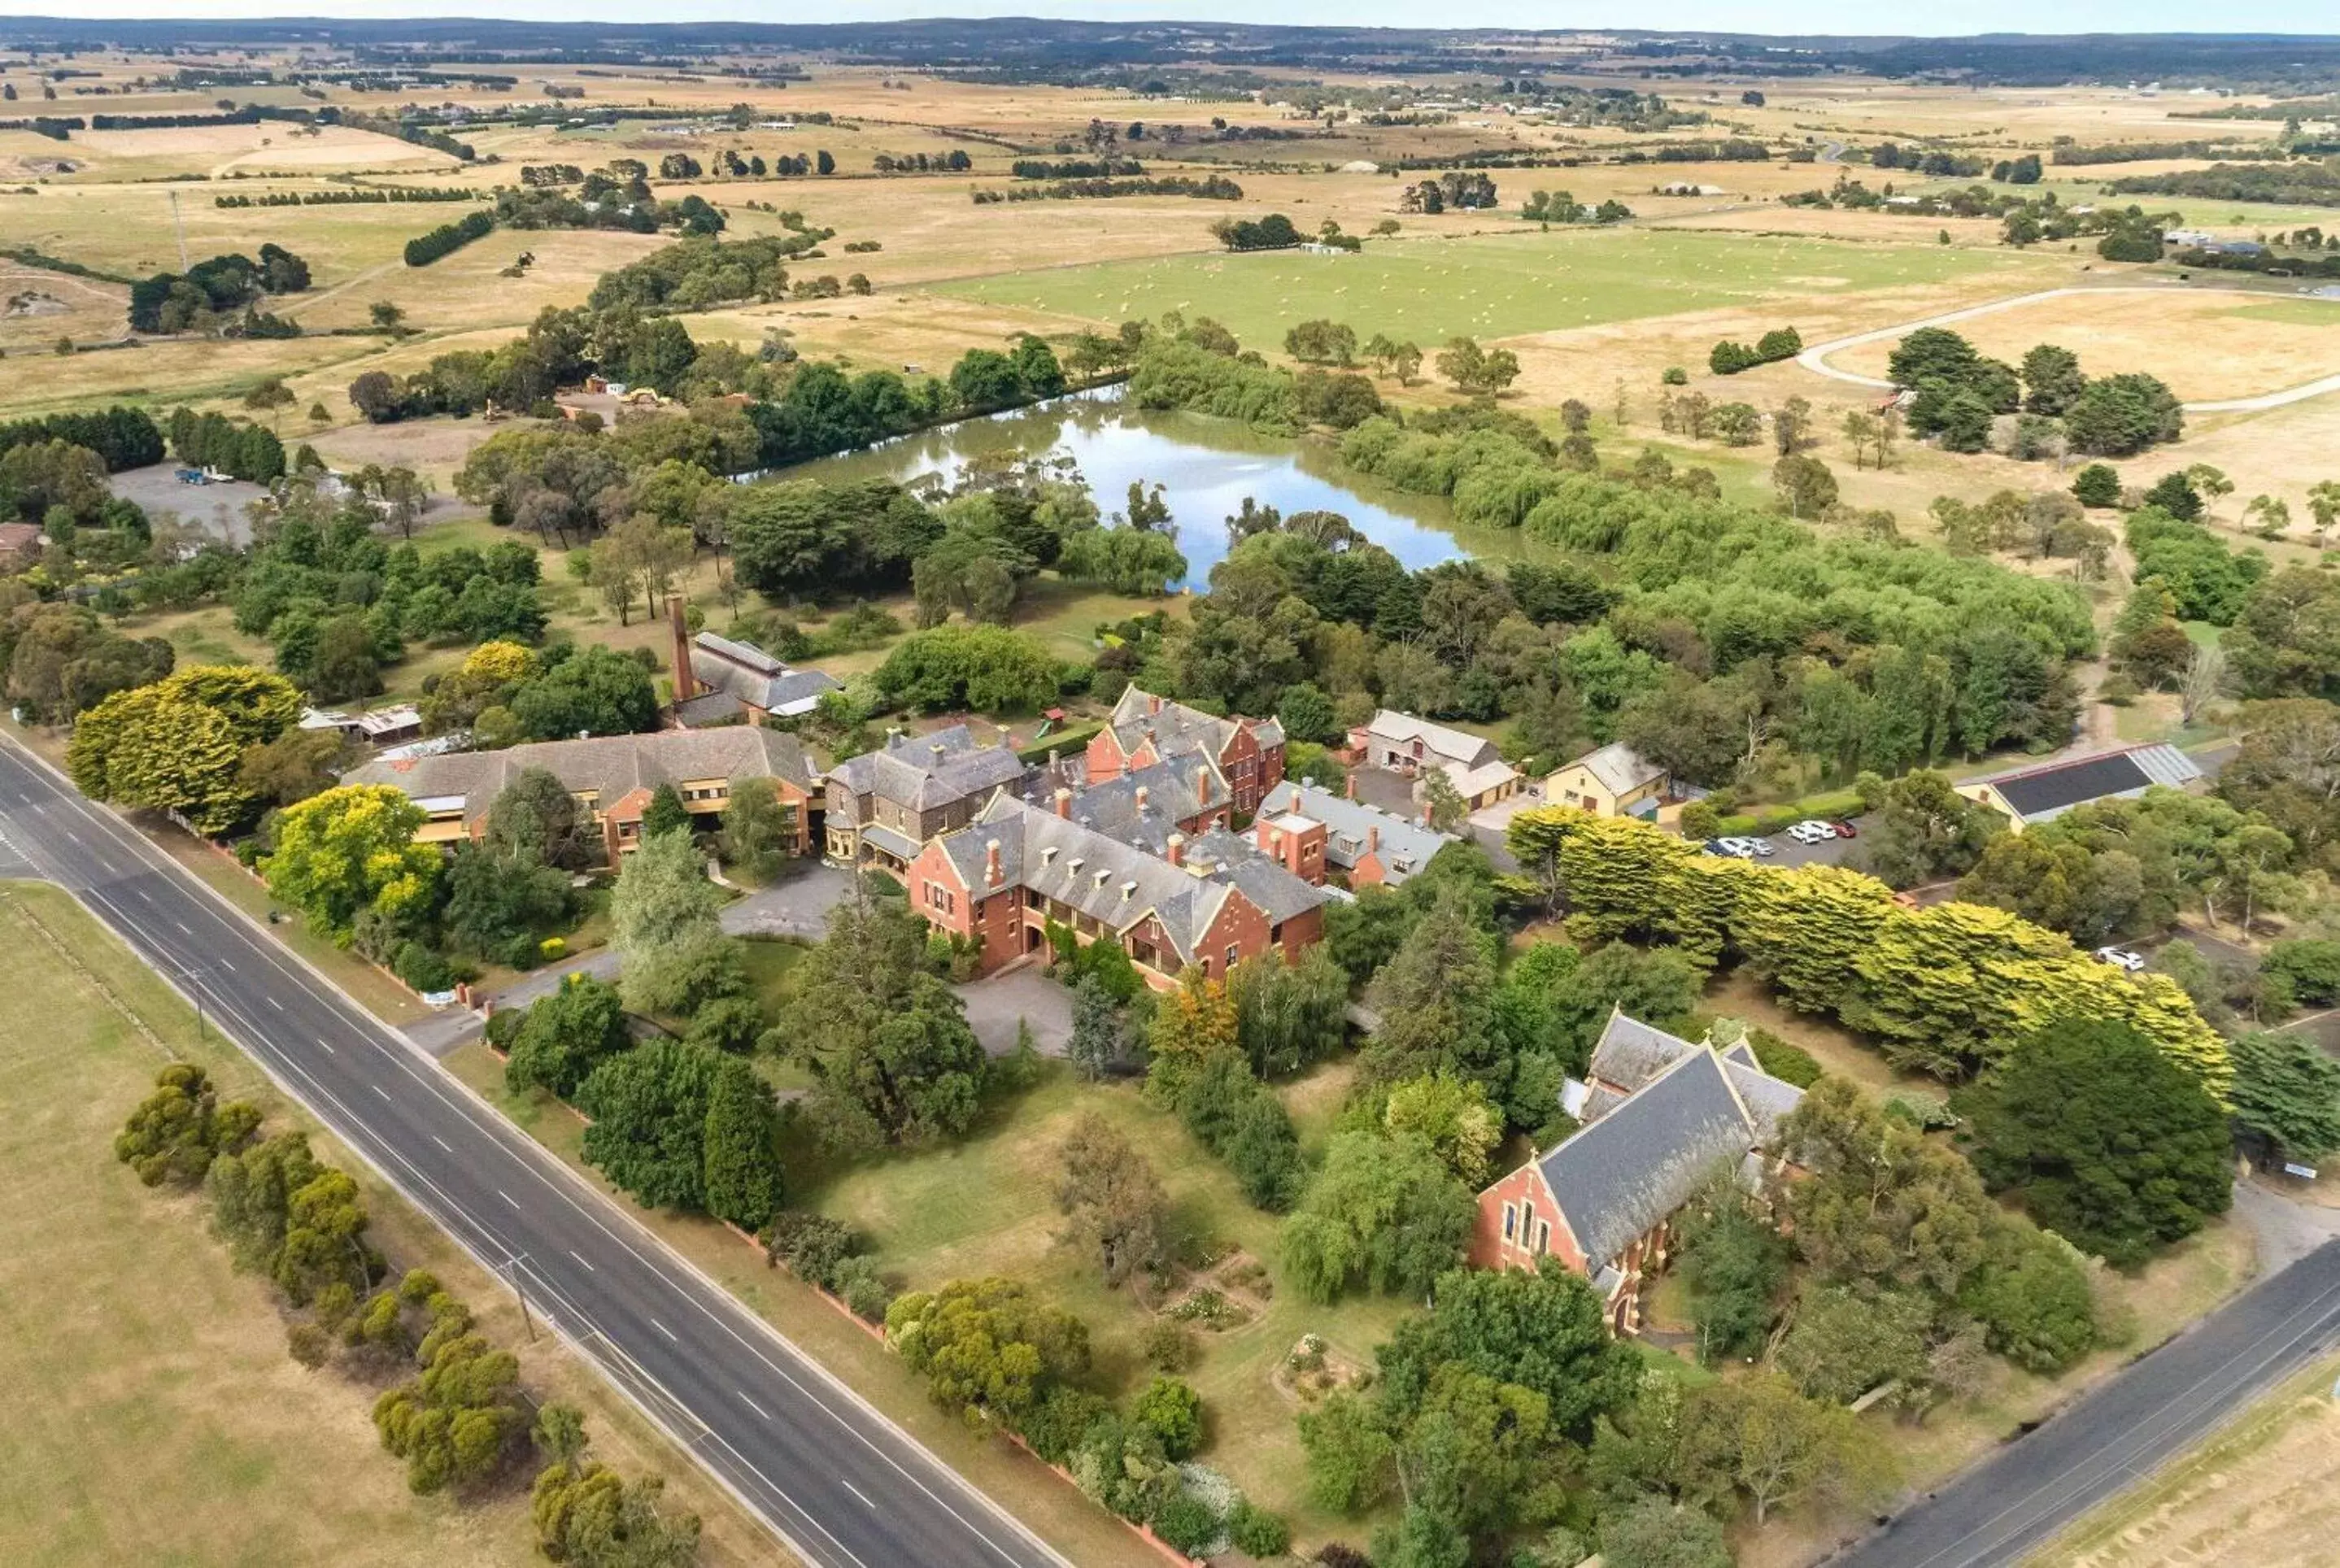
(1347, 822)
(754, 675)
(925, 772)
(2039, 794)
(1618, 768)
(1175, 790)
(610, 766)
(1175, 727)
(1622, 1174)
(1629, 1053)
(1112, 882)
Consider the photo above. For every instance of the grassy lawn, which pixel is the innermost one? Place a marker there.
(160, 1419)
(1059, 1512)
(1497, 286)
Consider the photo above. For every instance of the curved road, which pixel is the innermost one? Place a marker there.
(828, 1475)
(1815, 358)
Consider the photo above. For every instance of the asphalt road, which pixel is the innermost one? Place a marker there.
(2157, 1408)
(830, 1475)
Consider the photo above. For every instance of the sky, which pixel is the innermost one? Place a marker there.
(1946, 17)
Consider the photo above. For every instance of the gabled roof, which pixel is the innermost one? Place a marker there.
(1618, 768)
(1175, 791)
(2048, 791)
(748, 674)
(608, 766)
(1619, 1175)
(1629, 1053)
(925, 772)
(1174, 728)
(1452, 745)
(1347, 824)
(1114, 883)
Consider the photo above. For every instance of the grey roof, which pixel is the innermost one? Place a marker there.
(609, 766)
(2047, 790)
(1629, 1053)
(1619, 767)
(708, 708)
(1112, 882)
(1768, 1100)
(1743, 1052)
(1619, 1175)
(1174, 791)
(754, 675)
(924, 772)
(1279, 894)
(1403, 842)
(1174, 728)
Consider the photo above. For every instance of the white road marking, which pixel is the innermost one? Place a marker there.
(588, 1268)
(327, 1048)
(182, 927)
(507, 1197)
(857, 1492)
(275, 1004)
(752, 1405)
(662, 1328)
(442, 1142)
(380, 1090)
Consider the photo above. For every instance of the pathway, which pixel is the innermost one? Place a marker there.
(1815, 358)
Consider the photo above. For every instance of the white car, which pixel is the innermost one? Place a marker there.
(1811, 830)
(1747, 849)
(2122, 958)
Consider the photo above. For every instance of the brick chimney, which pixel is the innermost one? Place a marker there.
(991, 877)
(1373, 838)
(1349, 787)
(1203, 782)
(1153, 705)
(1176, 850)
(686, 684)
(1141, 800)
(1064, 803)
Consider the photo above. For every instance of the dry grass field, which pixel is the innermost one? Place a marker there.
(159, 1418)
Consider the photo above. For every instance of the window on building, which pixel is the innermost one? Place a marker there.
(1510, 1220)
(1543, 1237)
(1231, 957)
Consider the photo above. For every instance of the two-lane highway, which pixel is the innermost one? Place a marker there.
(840, 1484)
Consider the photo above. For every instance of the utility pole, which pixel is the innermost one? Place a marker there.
(511, 1270)
(179, 227)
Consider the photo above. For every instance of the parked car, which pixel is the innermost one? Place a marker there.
(1746, 849)
(1811, 831)
(1717, 847)
(1845, 830)
(2122, 958)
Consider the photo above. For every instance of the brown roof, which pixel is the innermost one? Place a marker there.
(610, 766)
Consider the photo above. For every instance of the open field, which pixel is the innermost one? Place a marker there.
(161, 1419)
(2206, 343)
(1530, 283)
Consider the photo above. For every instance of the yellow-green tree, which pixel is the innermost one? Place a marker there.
(177, 745)
(349, 850)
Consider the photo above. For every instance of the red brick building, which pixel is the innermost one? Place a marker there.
(1211, 901)
(1659, 1119)
(1145, 729)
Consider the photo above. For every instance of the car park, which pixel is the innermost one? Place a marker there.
(2122, 958)
(1746, 849)
(1811, 831)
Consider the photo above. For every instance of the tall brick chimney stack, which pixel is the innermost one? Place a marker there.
(1175, 851)
(1065, 804)
(991, 875)
(686, 684)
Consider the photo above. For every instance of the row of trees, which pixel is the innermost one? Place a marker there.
(1958, 393)
(459, 1417)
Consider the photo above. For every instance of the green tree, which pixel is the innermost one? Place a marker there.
(649, 1107)
(176, 1132)
(1758, 1436)
(1652, 1533)
(1542, 1330)
(534, 819)
(2286, 1092)
(351, 850)
(666, 813)
(663, 917)
(2052, 379)
(1435, 999)
(743, 1176)
(758, 827)
(1805, 486)
(1734, 1262)
(986, 1348)
(1454, 1116)
(588, 1516)
(1100, 1037)
(562, 1037)
(1925, 829)
(1383, 1212)
(1288, 1015)
(1845, 1342)
(887, 1040)
(1170, 1410)
(1113, 1202)
(2108, 1142)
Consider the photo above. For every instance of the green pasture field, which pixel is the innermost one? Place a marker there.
(1498, 286)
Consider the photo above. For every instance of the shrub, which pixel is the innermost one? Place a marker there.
(1791, 1063)
(1173, 1412)
(1186, 1524)
(1675, 376)
(863, 1289)
(812, 1246)
(1167, 1347)
(422, 969)
(1256, 1532)
(552, 948)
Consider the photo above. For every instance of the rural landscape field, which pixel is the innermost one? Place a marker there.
(1042, 792)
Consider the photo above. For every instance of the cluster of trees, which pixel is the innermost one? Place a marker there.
(2304, 184)
(459, 1417)
(956, 160)
(1727, 358)
(203, 742)
(1946, 989)
(1201, 367)
(1271, 232)
(1561, 207)
(448, 238)
(1208, 188)
(63, 661)
(237, 448)
(209, 295)
(695, 273)
(1958, 393)
(122, 437)
(1461, 188)
(1934, 160)
(1074, 168)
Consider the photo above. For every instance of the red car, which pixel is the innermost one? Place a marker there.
(1845, 830)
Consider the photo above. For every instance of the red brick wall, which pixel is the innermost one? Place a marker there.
(1302, 932)
(1301, 853)
(1104, 757)
(1525, 1188)
(933, 870)
(1240, 924)
(1367, 872)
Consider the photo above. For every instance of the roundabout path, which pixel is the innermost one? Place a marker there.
(1815, 358)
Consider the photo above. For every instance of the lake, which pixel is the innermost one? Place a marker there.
(1206, 467)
